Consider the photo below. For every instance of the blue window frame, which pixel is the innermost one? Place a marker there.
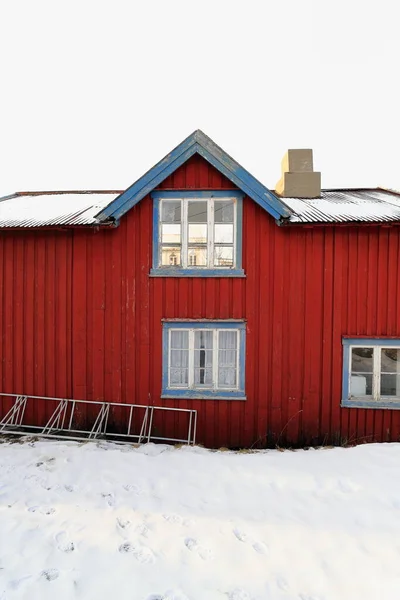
(197, 233)
(204, 359)
(371, 373)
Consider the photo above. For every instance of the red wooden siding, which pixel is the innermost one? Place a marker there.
(81, 318)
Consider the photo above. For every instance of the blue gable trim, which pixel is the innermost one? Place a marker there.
(198, 143)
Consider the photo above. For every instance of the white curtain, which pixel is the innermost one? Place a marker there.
(179, 358)
(227, 354)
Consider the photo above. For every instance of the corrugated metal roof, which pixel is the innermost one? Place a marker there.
(47, 209)
(74, 208)
(347, 205)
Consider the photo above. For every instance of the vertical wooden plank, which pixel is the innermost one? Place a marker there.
(277, 374)
(327, 342)
(18, 328)
(79, 323)
(61, 293)
(337, 327)
(3, 402)
(248, 409)
(130, 331)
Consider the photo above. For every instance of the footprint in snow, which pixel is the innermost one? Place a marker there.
(239, 594)
(109, 498)
(50, 574)
(141, 553)
(43, 510)
(123, 523)
(282, 584)
(259, 547)
(173, 518)
(178, 520)
(70, 488)
(131, 487)
(168, 595)
(15, 584)
(348, 486)
(63, 543)
(194, 546)
(142, 529)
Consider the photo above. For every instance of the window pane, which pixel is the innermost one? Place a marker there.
(203, 378)
(203, 358)
(197, 234)
(203, 339)
(390, 384)
(223, 211)
(361, 371)
(362, 360)
(223, 256)
(361, 385)
(197, 257)
(228, 340)
(179, 339)
(227, 378)
(390, 360)
(227, 359)
(178, 377)
(170, 256)
(170, 234)
(223, 234)
(197, 211)
(179, 359)
(171, 211)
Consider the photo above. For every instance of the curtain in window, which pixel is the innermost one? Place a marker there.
(203, 358)
(179, 364)
(227, 359)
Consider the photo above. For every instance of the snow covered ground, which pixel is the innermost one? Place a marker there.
(109, 522)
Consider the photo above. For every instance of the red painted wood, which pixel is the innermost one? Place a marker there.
(80, 317)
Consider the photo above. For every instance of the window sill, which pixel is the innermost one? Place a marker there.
(374, 404)
(197, 273)
(196, 395)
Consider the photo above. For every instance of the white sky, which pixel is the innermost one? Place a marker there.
(94, 93)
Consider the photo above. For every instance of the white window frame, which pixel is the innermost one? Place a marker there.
(185, 263)
(376, 399)
(215, 354)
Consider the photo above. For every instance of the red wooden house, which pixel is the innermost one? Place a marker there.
(277, 318)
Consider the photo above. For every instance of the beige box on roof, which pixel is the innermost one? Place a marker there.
(298, 179)
(299, 185)
(297, 161)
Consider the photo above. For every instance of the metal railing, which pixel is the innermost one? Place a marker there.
(62, 421)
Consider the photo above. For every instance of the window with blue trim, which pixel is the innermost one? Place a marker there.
(197, 233)
(204, 359)
(371, 372)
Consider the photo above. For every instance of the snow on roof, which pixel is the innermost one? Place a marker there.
(347, 205)
(74, 208)
(42, 209)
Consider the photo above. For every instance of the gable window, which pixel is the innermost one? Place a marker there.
(197, 233)
(371, 372)
(203, 359)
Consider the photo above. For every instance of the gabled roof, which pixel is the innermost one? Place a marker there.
(53, 209)
(201, 144)
(372, 205)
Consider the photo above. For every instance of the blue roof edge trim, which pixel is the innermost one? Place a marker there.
(201, 144)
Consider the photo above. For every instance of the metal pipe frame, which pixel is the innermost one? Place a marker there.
(12, 422)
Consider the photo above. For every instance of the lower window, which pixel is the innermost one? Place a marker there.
(371, 372)
(203, 359)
